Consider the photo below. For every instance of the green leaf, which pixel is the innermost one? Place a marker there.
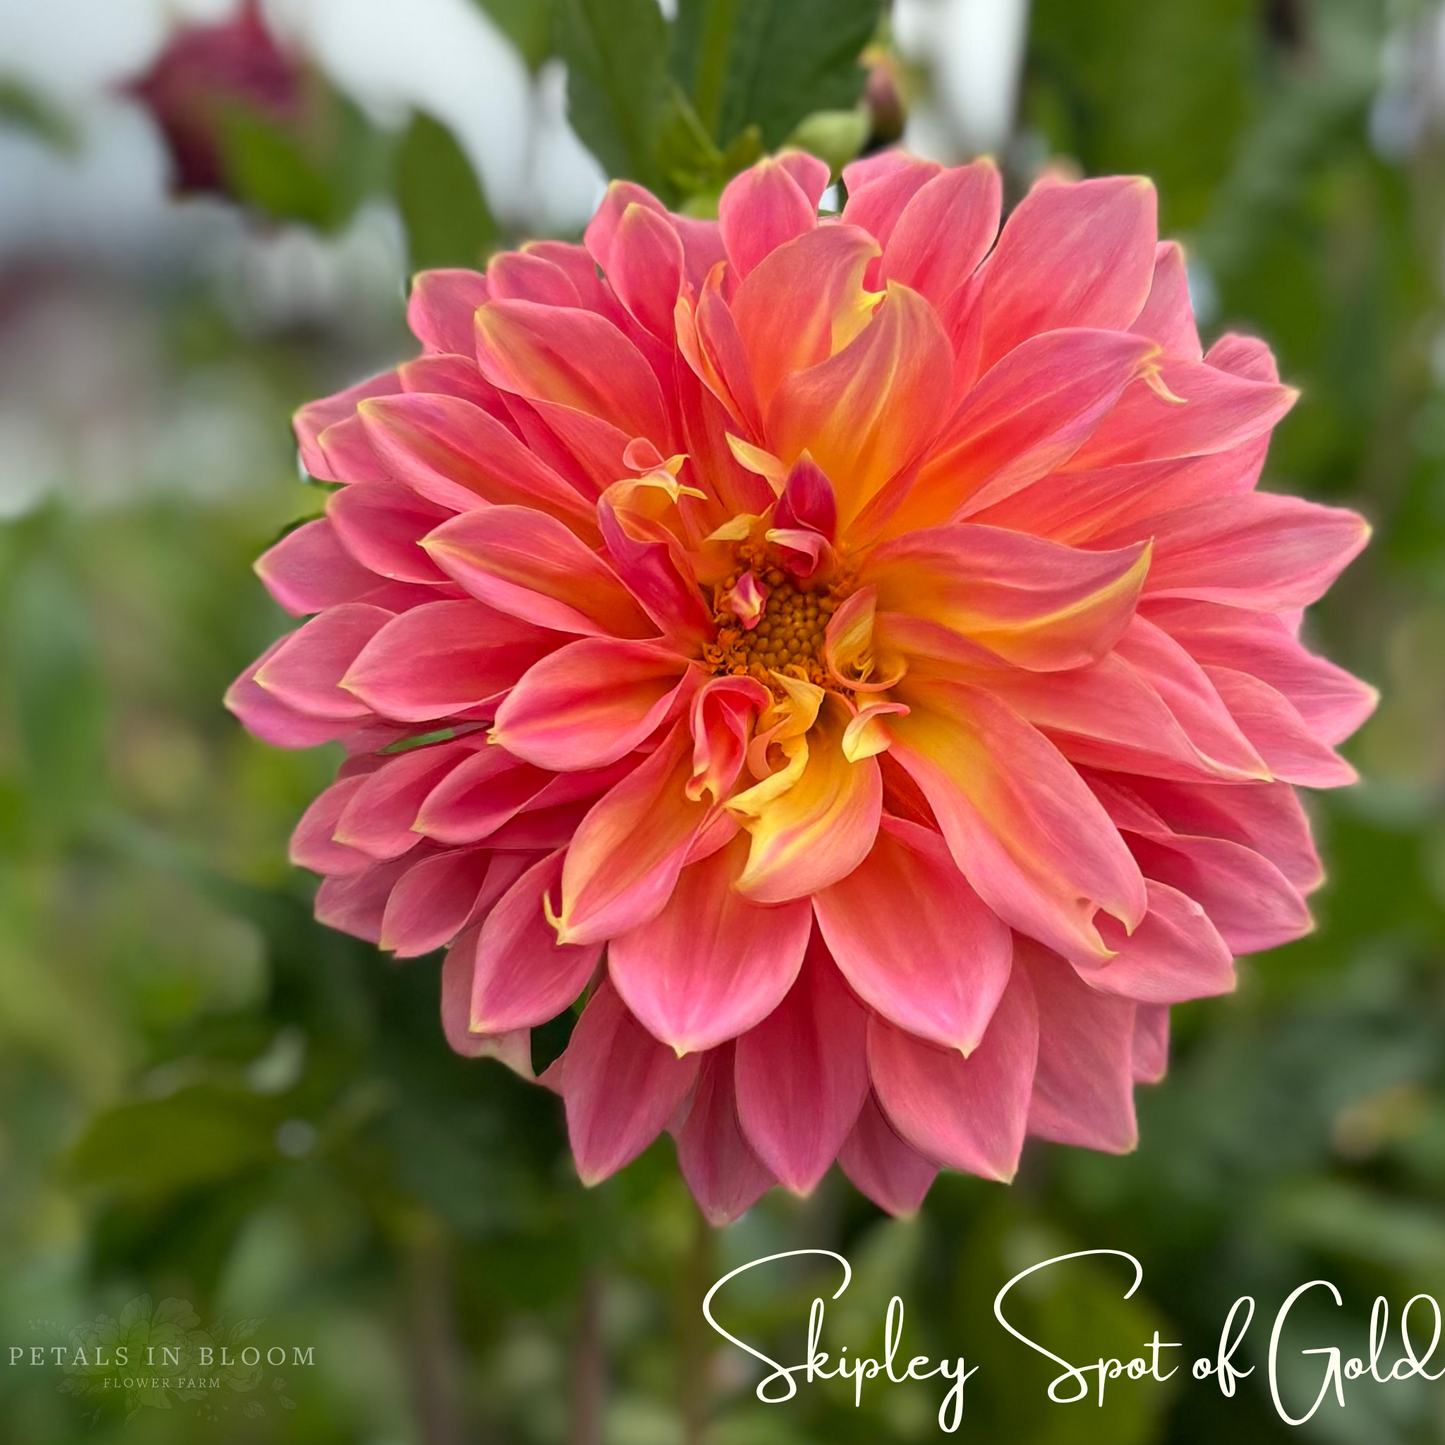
(316, 174)
(770, 63)
(53, 683)
(448, 221)
(526, 23)
(618, 96)
(23, 108)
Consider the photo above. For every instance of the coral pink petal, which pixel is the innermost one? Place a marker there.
(1037, 604)
(381, 524)
(892, 1173)
(866, 413)
(514, 1049)
(530, 565)
(1208, 410)
(725, 1176)
(802, 1075)
(1025, 418)
(621, 1086)
(306, 671)
(936, 968)
(1168, 317)
(523, 976)
(571, 358)
(878, 194)
(822, 827)
(1332, 703)
(442, 308)
(1293, 751)
(1084, 1087)
(945, 230)
(433, 901)
(1151, 1043)
(1252, 904)
(967, 1113)
(379, 817)
(458, 456)
(712, 964)
(760, 209)
(355, 903)
(271, 720)
(313, 843)
(646, 269)
(624, 861)
(1267, 817)
(1022, 825)
(317, 416)
(1174, 955)
(444, 658)
(1070, 255)
(592, 702)
(788, 310)
(477, 796)
(309, 570)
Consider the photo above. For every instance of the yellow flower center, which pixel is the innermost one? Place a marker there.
(787, 638)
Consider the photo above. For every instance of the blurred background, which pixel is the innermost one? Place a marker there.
(207, 216)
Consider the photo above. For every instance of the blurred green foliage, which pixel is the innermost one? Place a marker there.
(208, 1098)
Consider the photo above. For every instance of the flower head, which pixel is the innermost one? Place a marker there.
(849, 652)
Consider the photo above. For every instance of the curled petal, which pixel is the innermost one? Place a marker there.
(820, 826)
(1174, 955)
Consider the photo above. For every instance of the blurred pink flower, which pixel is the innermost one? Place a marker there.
(208, 72)
(865, 669)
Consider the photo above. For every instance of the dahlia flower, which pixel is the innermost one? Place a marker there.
(849, 653)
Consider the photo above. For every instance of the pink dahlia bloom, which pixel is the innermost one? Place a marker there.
(849, 652)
